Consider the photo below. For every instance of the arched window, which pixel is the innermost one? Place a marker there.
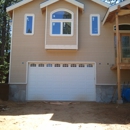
(61, 23)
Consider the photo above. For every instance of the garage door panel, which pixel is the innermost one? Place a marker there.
(61, 83)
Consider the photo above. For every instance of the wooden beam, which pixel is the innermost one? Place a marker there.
(128, 6)
(124, 12)
(114, 67)
(118, 57)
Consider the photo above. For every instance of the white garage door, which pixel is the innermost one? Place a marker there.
(61, 82)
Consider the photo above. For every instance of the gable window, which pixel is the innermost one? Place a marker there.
(29, 24)
(61, 23)
(94, 24)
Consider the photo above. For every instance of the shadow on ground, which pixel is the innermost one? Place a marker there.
(77, 112)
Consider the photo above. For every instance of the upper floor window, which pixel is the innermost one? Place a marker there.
(61, 23)
(29, 24)
(94, 24)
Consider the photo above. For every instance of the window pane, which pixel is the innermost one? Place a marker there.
(125, 46)
(94, 25)
(29, 21)
(66, 27)
(61, 15)
(56, 27)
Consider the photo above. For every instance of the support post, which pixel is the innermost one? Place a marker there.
(118, 59)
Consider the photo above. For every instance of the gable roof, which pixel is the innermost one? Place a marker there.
(101, 3)
(114, 8)
(12, 7)
(74, 2)
(44, 4)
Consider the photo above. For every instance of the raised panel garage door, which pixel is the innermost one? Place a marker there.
(61, 82)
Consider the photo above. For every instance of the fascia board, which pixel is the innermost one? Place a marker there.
(47, 3)
(113, 8)
(12, 7)
(101, 3)
(76, 3)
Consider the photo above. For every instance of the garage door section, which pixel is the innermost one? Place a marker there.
(61, 82)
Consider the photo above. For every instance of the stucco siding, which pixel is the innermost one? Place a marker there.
(99, 49)
(61, 40)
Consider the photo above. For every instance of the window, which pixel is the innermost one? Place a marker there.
(123, 27)
(73, 65)
(94, 24)
(49, 65)
(125, 41)
(41, 65)
(32, 65)
(61, 23)
(65, 65)
(29, 24)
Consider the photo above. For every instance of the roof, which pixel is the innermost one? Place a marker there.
(12, 7)
(44, 4)
(112, 9)
(74, 2)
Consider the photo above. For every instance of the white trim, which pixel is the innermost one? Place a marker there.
(113, 8)
(46, 3)
(11, 47)
(12, 7)
(61, 21)
(101, 3)
(61, 47)
(77, 31)
(46, 27)
(74, 2)
(98, 16)
(105, 84)
(25, 24)
(104, 20)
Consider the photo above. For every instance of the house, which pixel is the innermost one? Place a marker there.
(69, 50)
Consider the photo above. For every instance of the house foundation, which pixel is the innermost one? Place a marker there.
(106, 93)
(17, 93)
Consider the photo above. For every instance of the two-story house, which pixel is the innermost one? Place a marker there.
(69, 50)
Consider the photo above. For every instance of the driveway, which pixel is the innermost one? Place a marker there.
(64, 116)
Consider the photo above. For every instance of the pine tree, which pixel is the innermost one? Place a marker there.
(5, 37)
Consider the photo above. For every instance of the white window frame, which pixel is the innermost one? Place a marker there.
(61, 22)
(98, 16)
(25, 24)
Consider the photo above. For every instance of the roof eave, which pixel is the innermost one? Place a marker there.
(76, 3)
(113, 8)
(12, 7)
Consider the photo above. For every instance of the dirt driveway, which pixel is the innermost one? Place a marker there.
(64, 116)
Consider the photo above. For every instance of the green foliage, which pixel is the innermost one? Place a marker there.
(4, 69)
(5, 38)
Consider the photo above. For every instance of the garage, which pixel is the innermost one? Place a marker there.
(61, 82)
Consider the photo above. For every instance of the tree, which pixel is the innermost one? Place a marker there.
(113, 2)
(5, 37)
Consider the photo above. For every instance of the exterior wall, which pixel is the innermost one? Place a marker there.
(61, 40)
(99, 49)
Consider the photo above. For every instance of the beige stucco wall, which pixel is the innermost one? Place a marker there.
(61, 40)
(99, 49)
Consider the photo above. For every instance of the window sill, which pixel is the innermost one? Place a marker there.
(69, 47)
